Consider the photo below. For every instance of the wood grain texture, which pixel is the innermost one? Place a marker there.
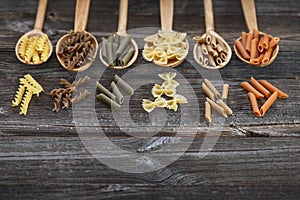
(42, 157)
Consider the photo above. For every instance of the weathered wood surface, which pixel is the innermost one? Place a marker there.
(42, 157)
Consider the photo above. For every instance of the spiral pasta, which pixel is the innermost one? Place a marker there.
(22, 46)
(18, 96)
(30, 49)
(25, 102)
(41, 42)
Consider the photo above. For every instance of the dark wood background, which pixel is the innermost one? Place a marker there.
(42, 156)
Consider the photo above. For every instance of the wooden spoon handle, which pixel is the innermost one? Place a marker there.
(209, 15)
(81, 15)
(40, 15)
(123, 12)
(166, 14)
(249, 14)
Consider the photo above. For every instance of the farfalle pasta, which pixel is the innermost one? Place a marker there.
(165, 94)
(164, 46)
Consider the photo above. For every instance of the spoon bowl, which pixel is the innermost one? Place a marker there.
(81, 17)
(37, 31)
(218, 38)
(251, 21)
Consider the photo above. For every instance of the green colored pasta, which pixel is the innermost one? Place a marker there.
(107, 100)
(104, 50)
(125, 86)
(127, 57)
(125, 41)
(116, 91)
(101, 88)
(110, 60)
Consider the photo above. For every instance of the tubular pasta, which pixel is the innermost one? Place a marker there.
(208, 92)
(274, 41)
(241, 49)
(217, 107)
(265, 41)
(225, 91)
(259, 87)
(255, 34)
(273, 89)
(265, 107)
(225, 106)
(109, 101)
(257, 61)
(260, 46)
(254, 105)
(207, 112)
(249, 88)
(267, 56)
(248, 41)
(253, 52)
(212, 88)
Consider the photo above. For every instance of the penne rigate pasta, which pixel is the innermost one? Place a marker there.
(212, 88)
(125, 86)
(109, 101)
(267, 56)
(244, 39)
(248, 41)
(212, 61)
(255, 34)
(217, 107)
(254, 105)
(208, 37)
(241, 49)
(265, 41)
(253, 52)
(249, 88)
(273, 42)
(265, 107)
(225, 106)
(257, 61)
(117, 92)
(260, 46)
(213, 42)
(225, 91)
(207, 112)
(102, 89)
(272, 88)
(259, 87)
(204, 49)
(208, 92)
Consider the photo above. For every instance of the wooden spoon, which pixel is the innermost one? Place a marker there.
(166, 19)
(81, 18)
(251, 21)
(123, 13)
(37, 30)
(209, 24)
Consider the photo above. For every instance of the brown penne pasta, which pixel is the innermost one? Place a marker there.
(273, 42)
(267, 56)
(257, 61)
(225, 106)
(242, 50)
(207, 112)
(259, 87)
(266, 40)
(253, 52)
(248, 41)
(265, 107)
(254, 105)
(249, 88)
(212, 88)
(272, 88)
(244, 39)
(208, 92)
(260, 47)
(225, 91)
(255, 34)
(217, 107)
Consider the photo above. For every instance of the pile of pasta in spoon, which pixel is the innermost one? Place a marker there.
(165, 46)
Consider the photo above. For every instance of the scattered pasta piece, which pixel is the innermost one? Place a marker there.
(165, 94)
(28, 87)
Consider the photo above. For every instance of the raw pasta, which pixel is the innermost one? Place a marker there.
(272, 88)
(254, 105)
(207, 112)
(225, 91)
(217, 107)
(81, 96)
(249, 88)
(259, 87)
(212, 88)
(33, 82)
(125, 86)
(208, 92)
(158, 90)
(109, 101)
(22, 46)
(117, 93)
(25, 102)
(265, 107)
(225, 106)
(18, 96)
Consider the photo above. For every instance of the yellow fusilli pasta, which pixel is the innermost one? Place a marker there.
(45, 52)
(41, 42)
(22, 46)
(33, 82)
(18, 96)
(25, 102)
(30, 49)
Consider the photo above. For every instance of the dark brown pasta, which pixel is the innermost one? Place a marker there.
(80, 96)
(77, 49)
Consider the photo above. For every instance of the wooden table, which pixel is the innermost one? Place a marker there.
(43, 157)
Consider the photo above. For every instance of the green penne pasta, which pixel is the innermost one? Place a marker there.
(114, 47)
(125, 86)
(110, 60)
(104, 49)
(107, 100)
(116, 91)
(125, 41)
(101, 88)
(127, 57)
(117, 39)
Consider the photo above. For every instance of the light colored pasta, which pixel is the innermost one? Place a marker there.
(30, 48)
(225, 91)
(225, 106)
(149, 106)
(177, 99)
(207, 112)
(28, 86)
(212, 88)
(33, 82)
(158, 90)
(208, 92)
(41, 42)
(18, 96)
(22, 46)
(217, 107)
(25, 102)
